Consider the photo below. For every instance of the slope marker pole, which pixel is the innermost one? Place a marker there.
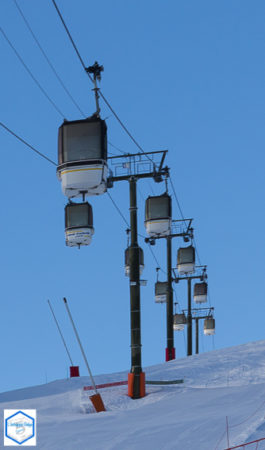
(96, 398)
(60, 332)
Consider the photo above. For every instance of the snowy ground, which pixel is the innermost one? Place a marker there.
(228, 382)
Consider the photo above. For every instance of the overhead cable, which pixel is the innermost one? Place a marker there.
(182, 216)
(48, 60)
(118, 209)
(117, 148)
(31, 74)
(197, 253)
(27, 144)
(176, 198)
(54, 163)
(155, 258)
(53, 68)
(71, 39)
(91, 79)
(122, 124)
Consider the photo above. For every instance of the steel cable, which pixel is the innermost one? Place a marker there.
(27, 144)
(91, 79)
(31, 74)
(47, 59)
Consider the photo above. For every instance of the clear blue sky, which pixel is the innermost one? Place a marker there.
(186, 76)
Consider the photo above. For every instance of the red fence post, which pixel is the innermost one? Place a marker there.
(227, 432)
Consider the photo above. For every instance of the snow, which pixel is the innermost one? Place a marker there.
(228, 382)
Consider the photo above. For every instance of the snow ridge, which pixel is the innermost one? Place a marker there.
(228, 382)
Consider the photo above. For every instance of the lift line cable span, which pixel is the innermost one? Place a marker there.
(71, 39)
(28, 145)
(180, 310)
(117, 148)
(118, 209)
(66, 90)
(182, 216)
(47, 59)
(91, 79)
(54, 163)
(53, 69)
(198, 256)
(155, 258)
(176, 198)
(31, 74)
(149, 245)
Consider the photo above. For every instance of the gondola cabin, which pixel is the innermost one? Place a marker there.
(200, 292)
(209, 326)
(78, 224)
(161, 291)
(179, 322)
(127, 261)
(82, 157)
(186, 260)
(158, 215)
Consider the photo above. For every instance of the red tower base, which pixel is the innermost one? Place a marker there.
(131, 377)
(170, 354)
(74, 371)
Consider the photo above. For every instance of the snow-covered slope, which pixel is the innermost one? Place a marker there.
(228, 382)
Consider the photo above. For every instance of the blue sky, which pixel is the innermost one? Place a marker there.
(184, 76)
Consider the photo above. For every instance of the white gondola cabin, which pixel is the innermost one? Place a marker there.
(161, 291)
(200, 292)
(82, 157)
(78, 224)
(186, 260)
(209, 326)
(127, 261)
(179, 322)
(158, 215)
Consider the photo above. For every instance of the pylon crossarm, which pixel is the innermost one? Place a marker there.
(186, 233)
(132, 155)
(196, 311)
(139, 165)
(201, 277)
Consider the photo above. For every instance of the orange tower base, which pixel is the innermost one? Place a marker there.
(131, 378)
